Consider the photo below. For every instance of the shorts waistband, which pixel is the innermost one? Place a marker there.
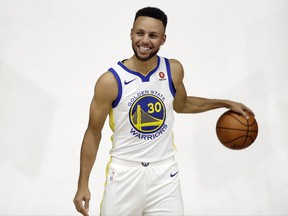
(144, 164)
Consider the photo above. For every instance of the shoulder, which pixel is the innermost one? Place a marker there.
(106, 79)
(175, 63)
(177, 70)
(107, 85)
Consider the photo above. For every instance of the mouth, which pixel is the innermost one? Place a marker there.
(144, 49)
(144, 52)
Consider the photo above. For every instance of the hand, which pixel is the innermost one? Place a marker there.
(81, 201)
(241, 109)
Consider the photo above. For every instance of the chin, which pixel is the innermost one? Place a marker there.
(144, 57)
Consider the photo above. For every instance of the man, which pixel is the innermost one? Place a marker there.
(140, 95)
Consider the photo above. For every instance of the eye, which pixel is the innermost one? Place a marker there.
(153, 36)
(139, 33)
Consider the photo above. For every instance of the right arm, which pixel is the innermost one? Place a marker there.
(105, 93)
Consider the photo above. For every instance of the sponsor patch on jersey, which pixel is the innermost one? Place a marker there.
(147, 116)
(162, 76)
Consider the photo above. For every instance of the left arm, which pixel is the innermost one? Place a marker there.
(190, 104)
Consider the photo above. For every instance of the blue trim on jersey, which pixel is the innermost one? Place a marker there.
(116, 101)
(143, 78)
(171, 85)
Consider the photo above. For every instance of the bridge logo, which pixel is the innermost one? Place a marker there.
(147, 114)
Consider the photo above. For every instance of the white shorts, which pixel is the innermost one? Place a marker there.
(134, 188)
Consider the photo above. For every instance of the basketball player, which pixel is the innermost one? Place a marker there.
(140, 94)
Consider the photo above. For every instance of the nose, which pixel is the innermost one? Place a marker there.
(145, 39)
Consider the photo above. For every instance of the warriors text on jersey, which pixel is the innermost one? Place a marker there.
(141, 117)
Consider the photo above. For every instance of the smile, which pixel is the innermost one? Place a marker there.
(142, 48)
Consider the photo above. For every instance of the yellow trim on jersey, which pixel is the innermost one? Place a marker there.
(174, 145)
(111, 122)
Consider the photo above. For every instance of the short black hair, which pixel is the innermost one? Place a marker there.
(153, 12)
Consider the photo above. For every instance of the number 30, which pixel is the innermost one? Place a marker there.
(154, 107)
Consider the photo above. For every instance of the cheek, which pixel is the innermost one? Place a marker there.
(160, 43)
(134, 39)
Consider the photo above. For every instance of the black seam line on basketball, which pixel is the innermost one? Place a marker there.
(253, 123)
(250, 131)
(235, 139)
(247, 132)
(239, 147)
(250, 138)
(242, 122)
(235, 129)
(236, 119)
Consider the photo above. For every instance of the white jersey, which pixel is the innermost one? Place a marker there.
(141, 117)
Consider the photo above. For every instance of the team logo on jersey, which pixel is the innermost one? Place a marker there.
(147, 116)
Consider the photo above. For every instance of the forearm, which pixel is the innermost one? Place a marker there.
(88, 155)
(198, 104)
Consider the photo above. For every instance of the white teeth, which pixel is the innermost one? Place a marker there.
(144, 48)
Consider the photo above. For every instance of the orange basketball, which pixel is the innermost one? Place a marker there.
(236, 132)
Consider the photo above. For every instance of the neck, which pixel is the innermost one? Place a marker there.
(143, 67)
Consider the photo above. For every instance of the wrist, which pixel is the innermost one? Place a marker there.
(225, 103)
(83, 182)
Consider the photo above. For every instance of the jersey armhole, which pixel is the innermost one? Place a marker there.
(119, 95)
(171, 84)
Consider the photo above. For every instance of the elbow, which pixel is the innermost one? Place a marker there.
(179, 109)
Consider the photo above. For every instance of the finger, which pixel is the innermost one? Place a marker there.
(80, 207)
(247, 109)
(87, 205)
(245, 115)
(250, 111)
(242, 111)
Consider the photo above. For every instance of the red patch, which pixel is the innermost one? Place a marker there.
(161, 75)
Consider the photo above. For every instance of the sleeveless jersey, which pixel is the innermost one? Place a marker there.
(141, 117)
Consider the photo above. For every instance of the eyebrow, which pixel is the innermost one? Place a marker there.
(152, 32)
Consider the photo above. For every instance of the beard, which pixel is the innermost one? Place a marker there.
(146, 58)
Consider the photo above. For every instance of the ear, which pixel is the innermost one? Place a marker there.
(163, 39)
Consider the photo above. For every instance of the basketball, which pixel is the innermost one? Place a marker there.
(236, 132)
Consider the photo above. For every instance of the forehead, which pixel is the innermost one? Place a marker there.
(148, 24)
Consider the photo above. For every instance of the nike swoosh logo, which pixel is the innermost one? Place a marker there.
(173, 174)
(127, 82)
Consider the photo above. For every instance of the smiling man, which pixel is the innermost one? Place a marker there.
(140, 95)
(147, 35)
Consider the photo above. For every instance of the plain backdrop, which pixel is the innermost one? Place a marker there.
(53, 51)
